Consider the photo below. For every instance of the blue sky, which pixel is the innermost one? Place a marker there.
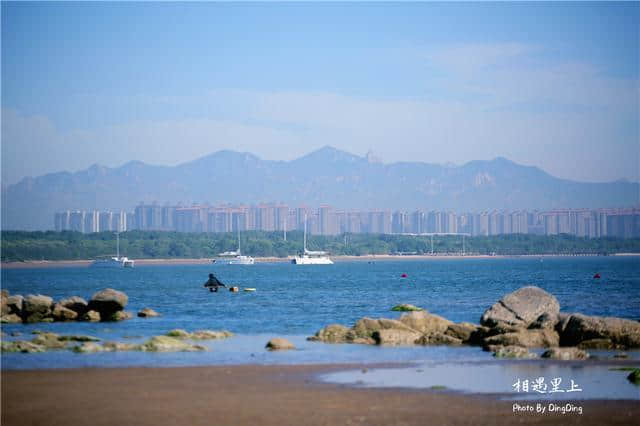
(553, 85)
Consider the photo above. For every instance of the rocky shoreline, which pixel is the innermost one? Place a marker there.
(527, 318)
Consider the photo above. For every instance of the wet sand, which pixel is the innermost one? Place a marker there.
(257, 395)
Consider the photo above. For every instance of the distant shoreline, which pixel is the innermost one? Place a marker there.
(34, 264)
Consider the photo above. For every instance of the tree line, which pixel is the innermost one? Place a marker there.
(69, 245)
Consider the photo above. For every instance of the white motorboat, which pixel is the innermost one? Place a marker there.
(234, 257)
(114, 262)
(310, 257)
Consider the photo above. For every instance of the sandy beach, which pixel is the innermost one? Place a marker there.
(257, 395)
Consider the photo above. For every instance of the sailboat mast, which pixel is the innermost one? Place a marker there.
(239, 241)
(118, 245)
(305, 234)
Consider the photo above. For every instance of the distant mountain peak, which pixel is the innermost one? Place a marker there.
(331, 154)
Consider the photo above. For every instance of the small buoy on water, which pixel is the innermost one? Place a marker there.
(596, 276)
(249, 289)
(404, 275)
(234, 289)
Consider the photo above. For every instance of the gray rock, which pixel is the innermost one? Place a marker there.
(565, 354)
(425, 322)
(76, 304)
(179, 333)
(169, 344)
(437, 339)
(279, 344)
(117, 316)
(15, 304)
(333, 333)
(392, 336)
(60, 313)
(78, 338)
(599, 344)
(10, 319)
(210, 334)
(21, 346)
(108, 302)
(461, 331)
(91, 316)
(49, 341)
(88, 348)
(36, 308)
(545, 320)
(365, 327)
(520, 308)
(119, 347)
(578, 328)
(147, 313)
(4, 306)
(513, 352)
(526, 338)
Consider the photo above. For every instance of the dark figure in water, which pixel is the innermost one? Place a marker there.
(213, 283)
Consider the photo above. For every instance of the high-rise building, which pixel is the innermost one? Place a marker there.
(62, 221)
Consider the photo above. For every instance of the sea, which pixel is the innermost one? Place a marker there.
(295, 301)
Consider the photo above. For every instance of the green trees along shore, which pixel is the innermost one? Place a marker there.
(67, 245)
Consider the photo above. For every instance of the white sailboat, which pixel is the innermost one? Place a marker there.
(114, 262)
(234, 257)
(310, 257)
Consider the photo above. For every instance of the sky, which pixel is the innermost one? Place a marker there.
(553, 85)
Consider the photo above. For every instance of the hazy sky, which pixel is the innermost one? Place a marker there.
(548, 84)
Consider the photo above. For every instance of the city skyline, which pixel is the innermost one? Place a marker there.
(327, 220)
(554, 85)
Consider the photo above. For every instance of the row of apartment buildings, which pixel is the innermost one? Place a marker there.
(325, 220)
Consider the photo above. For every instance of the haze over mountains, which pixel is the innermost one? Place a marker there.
(325, 176)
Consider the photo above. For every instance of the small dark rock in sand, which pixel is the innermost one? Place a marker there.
(279, 344)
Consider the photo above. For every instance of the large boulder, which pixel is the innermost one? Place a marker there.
(60, 313)
(14, 303)
(578, 328)
(76, 304)
(393, 336)
(565, 354)
(279, 344)
(526, 338)
(425, 322)
(36, 308)
(520, 308)
(365, 327)
(107, 302)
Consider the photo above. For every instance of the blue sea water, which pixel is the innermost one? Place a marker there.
(295, 301)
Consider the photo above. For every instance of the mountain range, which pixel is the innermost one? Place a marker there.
(326, 176)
